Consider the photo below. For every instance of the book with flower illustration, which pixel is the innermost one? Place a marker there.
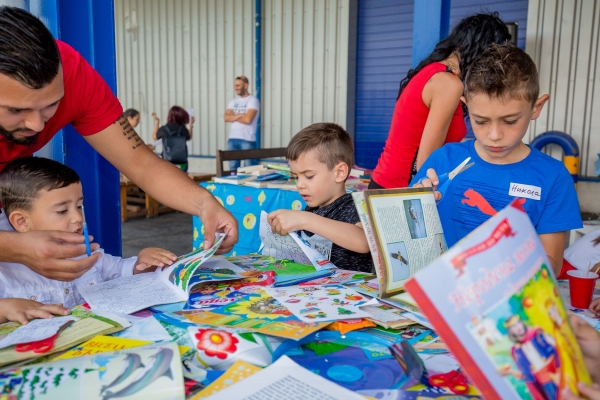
(150, 372)
(404, 233)
(166, 285)
(494, 301)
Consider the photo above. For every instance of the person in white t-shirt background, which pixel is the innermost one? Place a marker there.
(242, 112)
(584, 253)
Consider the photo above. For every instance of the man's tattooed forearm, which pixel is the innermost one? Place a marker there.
(129, 132)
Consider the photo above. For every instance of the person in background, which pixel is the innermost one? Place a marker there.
(583, 254)
(428, 111)
(177, 119)
(133, 116)
(243, 112)
(45, 84)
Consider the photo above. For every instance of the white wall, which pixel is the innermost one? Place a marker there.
(563, 40)
(188, 52)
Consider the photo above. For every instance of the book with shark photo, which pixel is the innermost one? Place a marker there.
(147, 372)
(404, 233)
(494, 301)
(166, 285)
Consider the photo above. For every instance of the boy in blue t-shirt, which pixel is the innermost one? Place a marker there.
(501, 93)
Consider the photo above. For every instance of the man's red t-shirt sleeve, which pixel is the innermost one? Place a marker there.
(93, 103)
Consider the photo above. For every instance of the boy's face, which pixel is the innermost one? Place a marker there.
(56, 210)
(317, 184)
(499, 125)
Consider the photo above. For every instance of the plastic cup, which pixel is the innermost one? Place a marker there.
(581, 287)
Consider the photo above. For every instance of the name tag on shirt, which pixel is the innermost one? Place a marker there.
(528, 191)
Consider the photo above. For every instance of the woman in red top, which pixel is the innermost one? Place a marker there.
(428, 111)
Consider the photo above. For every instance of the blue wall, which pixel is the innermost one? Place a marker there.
(384, 55)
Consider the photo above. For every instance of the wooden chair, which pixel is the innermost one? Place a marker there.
(238, 155)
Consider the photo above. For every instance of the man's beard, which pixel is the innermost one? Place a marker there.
(24, 141)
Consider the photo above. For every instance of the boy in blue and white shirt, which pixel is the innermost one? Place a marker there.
(501, 93)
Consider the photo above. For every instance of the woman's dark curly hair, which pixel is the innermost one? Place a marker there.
(469, 38)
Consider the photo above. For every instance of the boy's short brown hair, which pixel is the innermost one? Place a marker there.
(503, 71)
(331, 143)
(22, 180)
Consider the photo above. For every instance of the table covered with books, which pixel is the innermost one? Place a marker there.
(482, 319)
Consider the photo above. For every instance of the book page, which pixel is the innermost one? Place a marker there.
(35, 330)
(130, 294)
(301, 249)
(285, 380)
(408, 231)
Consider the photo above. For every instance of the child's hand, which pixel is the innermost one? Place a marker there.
(152, 257)
(285, 221)
(590, 392)
(22, 310)
(431, 181)
(595, 306)
(589, 341)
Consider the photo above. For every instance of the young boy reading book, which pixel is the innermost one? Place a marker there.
(40, 194)
(501, 93)
(320, 158)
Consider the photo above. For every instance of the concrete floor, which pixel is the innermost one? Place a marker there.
(171, 231)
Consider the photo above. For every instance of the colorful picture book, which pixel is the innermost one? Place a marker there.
(404, 233)
(86, 325)
(494, 301)
(254, 310)
(148, 372)
(166, 285)
(287, 272)
(101, 344)
(321, 302)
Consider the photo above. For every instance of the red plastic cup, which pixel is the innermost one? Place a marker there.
(581, 287)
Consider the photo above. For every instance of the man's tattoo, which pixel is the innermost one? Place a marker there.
(129, 132)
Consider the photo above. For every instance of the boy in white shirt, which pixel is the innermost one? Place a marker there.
(39, 194)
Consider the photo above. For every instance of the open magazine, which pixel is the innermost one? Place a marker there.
(404, 232)
(494, 301)
(295, 246)
(166, 285)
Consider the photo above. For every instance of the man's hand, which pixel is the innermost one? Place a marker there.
(285, 221)
(22, 310)
(152, 257)
(217, 219)
(431, 181)
(589, 341)
(48, 253)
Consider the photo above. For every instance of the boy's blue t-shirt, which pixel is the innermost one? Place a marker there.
(542, 182)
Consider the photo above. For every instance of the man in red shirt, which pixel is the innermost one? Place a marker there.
(44, 85)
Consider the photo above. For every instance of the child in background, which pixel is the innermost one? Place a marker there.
(320, 158)
(501, 93)
(39, 194)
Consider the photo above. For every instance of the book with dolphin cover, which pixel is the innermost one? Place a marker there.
(148, 372)
(494, 300)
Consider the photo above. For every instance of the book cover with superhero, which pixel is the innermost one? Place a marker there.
(502, 315)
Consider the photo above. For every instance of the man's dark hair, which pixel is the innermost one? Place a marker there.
(22, 180)
(503, 71)
(331, 143)
(28, 51)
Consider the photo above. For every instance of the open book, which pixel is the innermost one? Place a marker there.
(166, 285)
(404, 232)
(494, 301)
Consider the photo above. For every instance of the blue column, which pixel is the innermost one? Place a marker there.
(88, 26)
(258, 63)
(431, 22)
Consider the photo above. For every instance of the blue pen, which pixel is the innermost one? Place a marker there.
(85, 233)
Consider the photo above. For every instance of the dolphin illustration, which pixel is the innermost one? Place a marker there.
(132, 362)
(160, 367)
